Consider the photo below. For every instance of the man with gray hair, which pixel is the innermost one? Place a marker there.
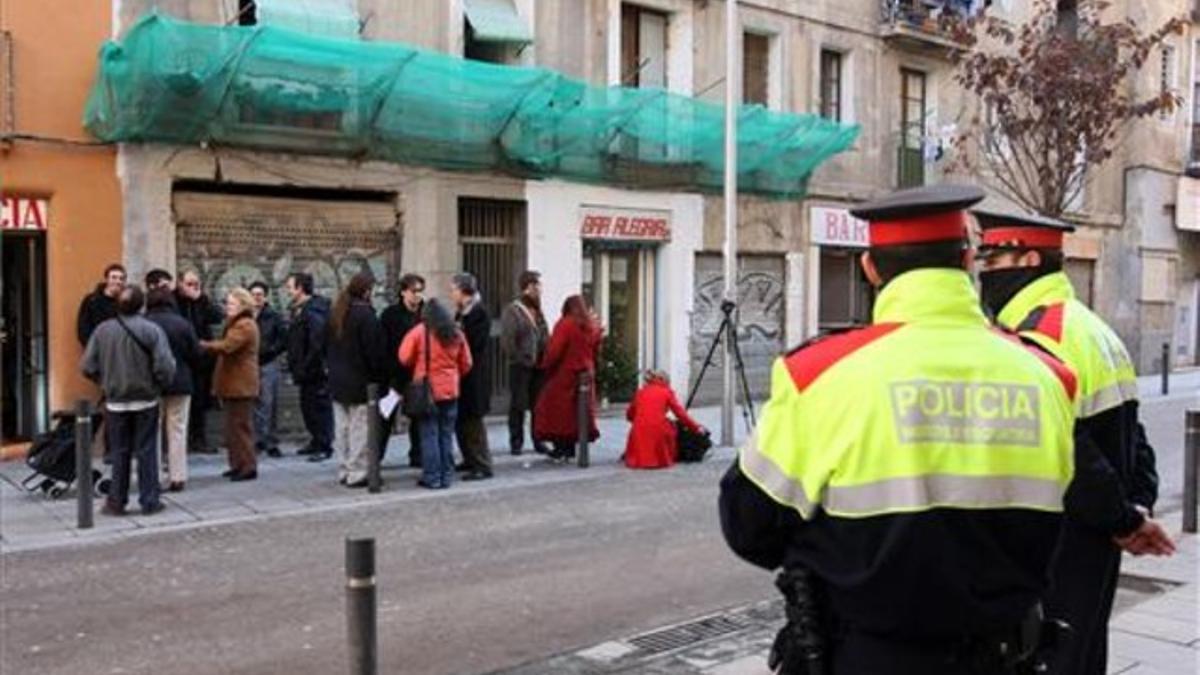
(476, 388)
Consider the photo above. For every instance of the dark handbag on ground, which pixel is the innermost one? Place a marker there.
(692, 446)
(418, 396)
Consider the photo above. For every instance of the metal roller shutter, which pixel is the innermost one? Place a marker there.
(236, 239)
(760, 292)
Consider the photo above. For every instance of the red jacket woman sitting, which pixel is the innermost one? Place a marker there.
(652, 440)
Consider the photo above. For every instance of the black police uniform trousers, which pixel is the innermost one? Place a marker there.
(1084, 582)
(859, 653)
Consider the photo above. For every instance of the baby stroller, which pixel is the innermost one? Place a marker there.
(52, 458)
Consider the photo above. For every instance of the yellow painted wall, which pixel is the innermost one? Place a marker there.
(55, 43)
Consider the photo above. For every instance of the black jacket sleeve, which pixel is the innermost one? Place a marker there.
(84, 326)
(371, 344)
(1095, 497)
(757, 528)
(1143, 489)
(313, 365)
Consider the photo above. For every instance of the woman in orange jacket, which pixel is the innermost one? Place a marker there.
(438, 342)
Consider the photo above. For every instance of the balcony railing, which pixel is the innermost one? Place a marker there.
(924, 24)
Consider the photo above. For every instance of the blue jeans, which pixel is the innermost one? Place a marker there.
(437, 445)
(133, 436)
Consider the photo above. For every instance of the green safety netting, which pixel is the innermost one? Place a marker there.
(267, 87)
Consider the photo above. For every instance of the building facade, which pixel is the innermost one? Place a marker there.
(60, 216)
(239, 214)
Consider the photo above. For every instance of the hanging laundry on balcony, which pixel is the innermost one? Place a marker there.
(266, 87)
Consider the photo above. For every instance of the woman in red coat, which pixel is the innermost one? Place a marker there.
(573, 348)
(652, 440)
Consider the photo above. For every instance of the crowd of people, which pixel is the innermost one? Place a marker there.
(162, 369)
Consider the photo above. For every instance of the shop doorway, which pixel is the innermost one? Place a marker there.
(23, 369)
(619, 283)
(491, 237)
(846, 297)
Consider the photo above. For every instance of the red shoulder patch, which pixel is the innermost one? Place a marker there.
(1060, 370)
(807, 364)
(1051, 323)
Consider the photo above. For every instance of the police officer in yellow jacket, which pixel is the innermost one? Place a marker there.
(1024, 286)
(916, 467)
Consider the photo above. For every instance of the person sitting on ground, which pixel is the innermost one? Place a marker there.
(653, 438)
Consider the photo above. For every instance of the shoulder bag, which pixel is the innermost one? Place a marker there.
(418, 396)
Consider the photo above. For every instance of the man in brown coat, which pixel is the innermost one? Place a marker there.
(235, 382)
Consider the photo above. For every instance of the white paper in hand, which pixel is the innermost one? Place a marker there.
(388, 403)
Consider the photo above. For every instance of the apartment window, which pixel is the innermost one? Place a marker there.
(831, 85)
(756, 68)
(494, 31)
(643, 47)
(913, 110)
(1196, 109)
(1166, 74)
(247, 13)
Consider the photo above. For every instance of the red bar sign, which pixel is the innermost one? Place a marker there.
(598, 222)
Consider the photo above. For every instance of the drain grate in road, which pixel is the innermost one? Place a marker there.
(687, 634)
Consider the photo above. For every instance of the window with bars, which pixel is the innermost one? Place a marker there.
(831, 85)
(913, 110)
(756, 68)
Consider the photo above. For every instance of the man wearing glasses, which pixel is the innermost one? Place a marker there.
(397, 320)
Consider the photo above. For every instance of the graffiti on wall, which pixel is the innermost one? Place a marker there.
(236, 240)
(760, 315)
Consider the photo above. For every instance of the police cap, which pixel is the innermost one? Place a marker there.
(1008, 231)
(920, 215)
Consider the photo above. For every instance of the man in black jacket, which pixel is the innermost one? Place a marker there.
(101, 304)
(306, 361)
(397, 320)
(476, 389)
(272, 343)
(195, 306)
(176, 396)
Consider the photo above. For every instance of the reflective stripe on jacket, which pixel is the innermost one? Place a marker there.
(929, 407)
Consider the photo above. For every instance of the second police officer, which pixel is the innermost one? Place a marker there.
(1024, 285)
(913, 469)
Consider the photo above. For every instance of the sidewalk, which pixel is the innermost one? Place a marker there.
(1154, 630)
(291, 485)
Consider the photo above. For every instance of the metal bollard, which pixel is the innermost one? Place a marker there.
(375, 441)
(360, 605)
(83, 464)
(584, 418)
(1191, 450)
(1166, 368)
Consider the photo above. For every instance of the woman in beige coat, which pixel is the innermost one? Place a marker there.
(235, 382)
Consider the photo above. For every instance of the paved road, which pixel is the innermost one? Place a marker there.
(469, 583)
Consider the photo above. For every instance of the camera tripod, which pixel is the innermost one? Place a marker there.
(727, 328)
